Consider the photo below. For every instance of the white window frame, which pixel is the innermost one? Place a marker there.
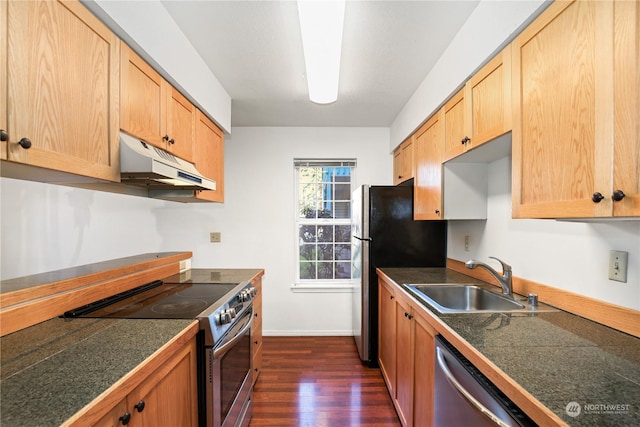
(319, 285)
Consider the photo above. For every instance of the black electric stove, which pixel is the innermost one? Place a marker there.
(157, 300)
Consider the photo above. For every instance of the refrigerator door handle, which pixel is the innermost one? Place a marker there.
(364, 239)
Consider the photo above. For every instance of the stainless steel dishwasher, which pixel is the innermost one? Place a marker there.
(465, 397)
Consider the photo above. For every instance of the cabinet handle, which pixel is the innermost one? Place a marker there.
(4, 136)
(597, 197)
(408, 316)
(617, 195)
(139, 406)
(256, 342)
(437, 211)
(25, 143)
(465, 140)
(390, 296)
(172, 141)
(124, 420)
(165, 138)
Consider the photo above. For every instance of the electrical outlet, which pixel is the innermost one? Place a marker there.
(215, 237)
(618, 265)
(466, 243)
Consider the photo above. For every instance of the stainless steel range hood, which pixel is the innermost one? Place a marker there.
(145, 165)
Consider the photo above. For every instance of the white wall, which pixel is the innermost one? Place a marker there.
(47, 227)
(573, 256)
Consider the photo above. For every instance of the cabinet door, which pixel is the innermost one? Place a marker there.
(387, 335)
(563, 112)
(169, 395)
(404, 362)
(407, 159)
(403, 161)
(423, 371)
(181, 121)
(397, 165)
(489, 94)
(143, 101)
(62, 89)
(114, 417)
(256, 332)
(209, 156)
(3, 80)
(626, 48)
(428, 160)
(455, 129)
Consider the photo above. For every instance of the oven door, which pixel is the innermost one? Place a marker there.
(228, 376)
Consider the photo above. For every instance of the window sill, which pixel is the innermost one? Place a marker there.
(323, 287)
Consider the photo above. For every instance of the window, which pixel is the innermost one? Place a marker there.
(323, 220)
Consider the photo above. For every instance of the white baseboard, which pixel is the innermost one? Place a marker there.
(306, 333)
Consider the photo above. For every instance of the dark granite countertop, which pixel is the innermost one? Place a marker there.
(557, 357)
(53, 369)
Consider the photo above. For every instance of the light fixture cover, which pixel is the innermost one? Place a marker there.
(321, 25)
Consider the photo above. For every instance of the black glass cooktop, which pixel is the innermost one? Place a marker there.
(157, 300)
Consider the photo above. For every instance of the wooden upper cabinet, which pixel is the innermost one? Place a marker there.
(152, 110)
(429, 151)
(481, 111)
(403, 162)
(4, 136)
(60, 108)
(209, 156)
(489, 92)
(575, 105)
(181, 124)
(455, 128)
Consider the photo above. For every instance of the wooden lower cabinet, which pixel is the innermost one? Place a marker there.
(387, 335)
(167, 395)
(256, 331)
(406, 357)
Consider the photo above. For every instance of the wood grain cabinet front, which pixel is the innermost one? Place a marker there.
(403, 167)
(209, 156)
(154, 111)
(406, 356)
(256, 332)
(60, 88)
(481, 111)
(576, 97)
(429, 150)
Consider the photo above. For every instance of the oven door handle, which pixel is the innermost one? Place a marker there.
(222, 350)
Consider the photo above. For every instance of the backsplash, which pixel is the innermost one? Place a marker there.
(568, 255)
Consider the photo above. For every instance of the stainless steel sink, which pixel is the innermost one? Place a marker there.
(463, 298)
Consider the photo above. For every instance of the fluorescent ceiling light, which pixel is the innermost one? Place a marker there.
(321, 24)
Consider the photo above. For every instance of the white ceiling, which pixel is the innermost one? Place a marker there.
(255, 51)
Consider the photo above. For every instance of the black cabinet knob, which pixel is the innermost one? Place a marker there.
(437, 211)
(172, 141)
(465, 140)
(390, 296)
(597, 197)
(139, 406)
(617, 195)
(165, 138)
(4, 136)
(25, 143)
(124, 420)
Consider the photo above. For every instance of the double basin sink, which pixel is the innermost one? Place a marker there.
(466, 298)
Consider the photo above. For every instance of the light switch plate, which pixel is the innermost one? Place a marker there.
(618, 265)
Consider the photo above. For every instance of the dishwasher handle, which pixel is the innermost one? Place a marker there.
(472, 400)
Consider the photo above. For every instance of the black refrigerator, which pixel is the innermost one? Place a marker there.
(384, 234)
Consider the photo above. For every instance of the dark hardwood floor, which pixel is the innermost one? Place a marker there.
(319, 382)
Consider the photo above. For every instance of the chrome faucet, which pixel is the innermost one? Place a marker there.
(504, 279)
